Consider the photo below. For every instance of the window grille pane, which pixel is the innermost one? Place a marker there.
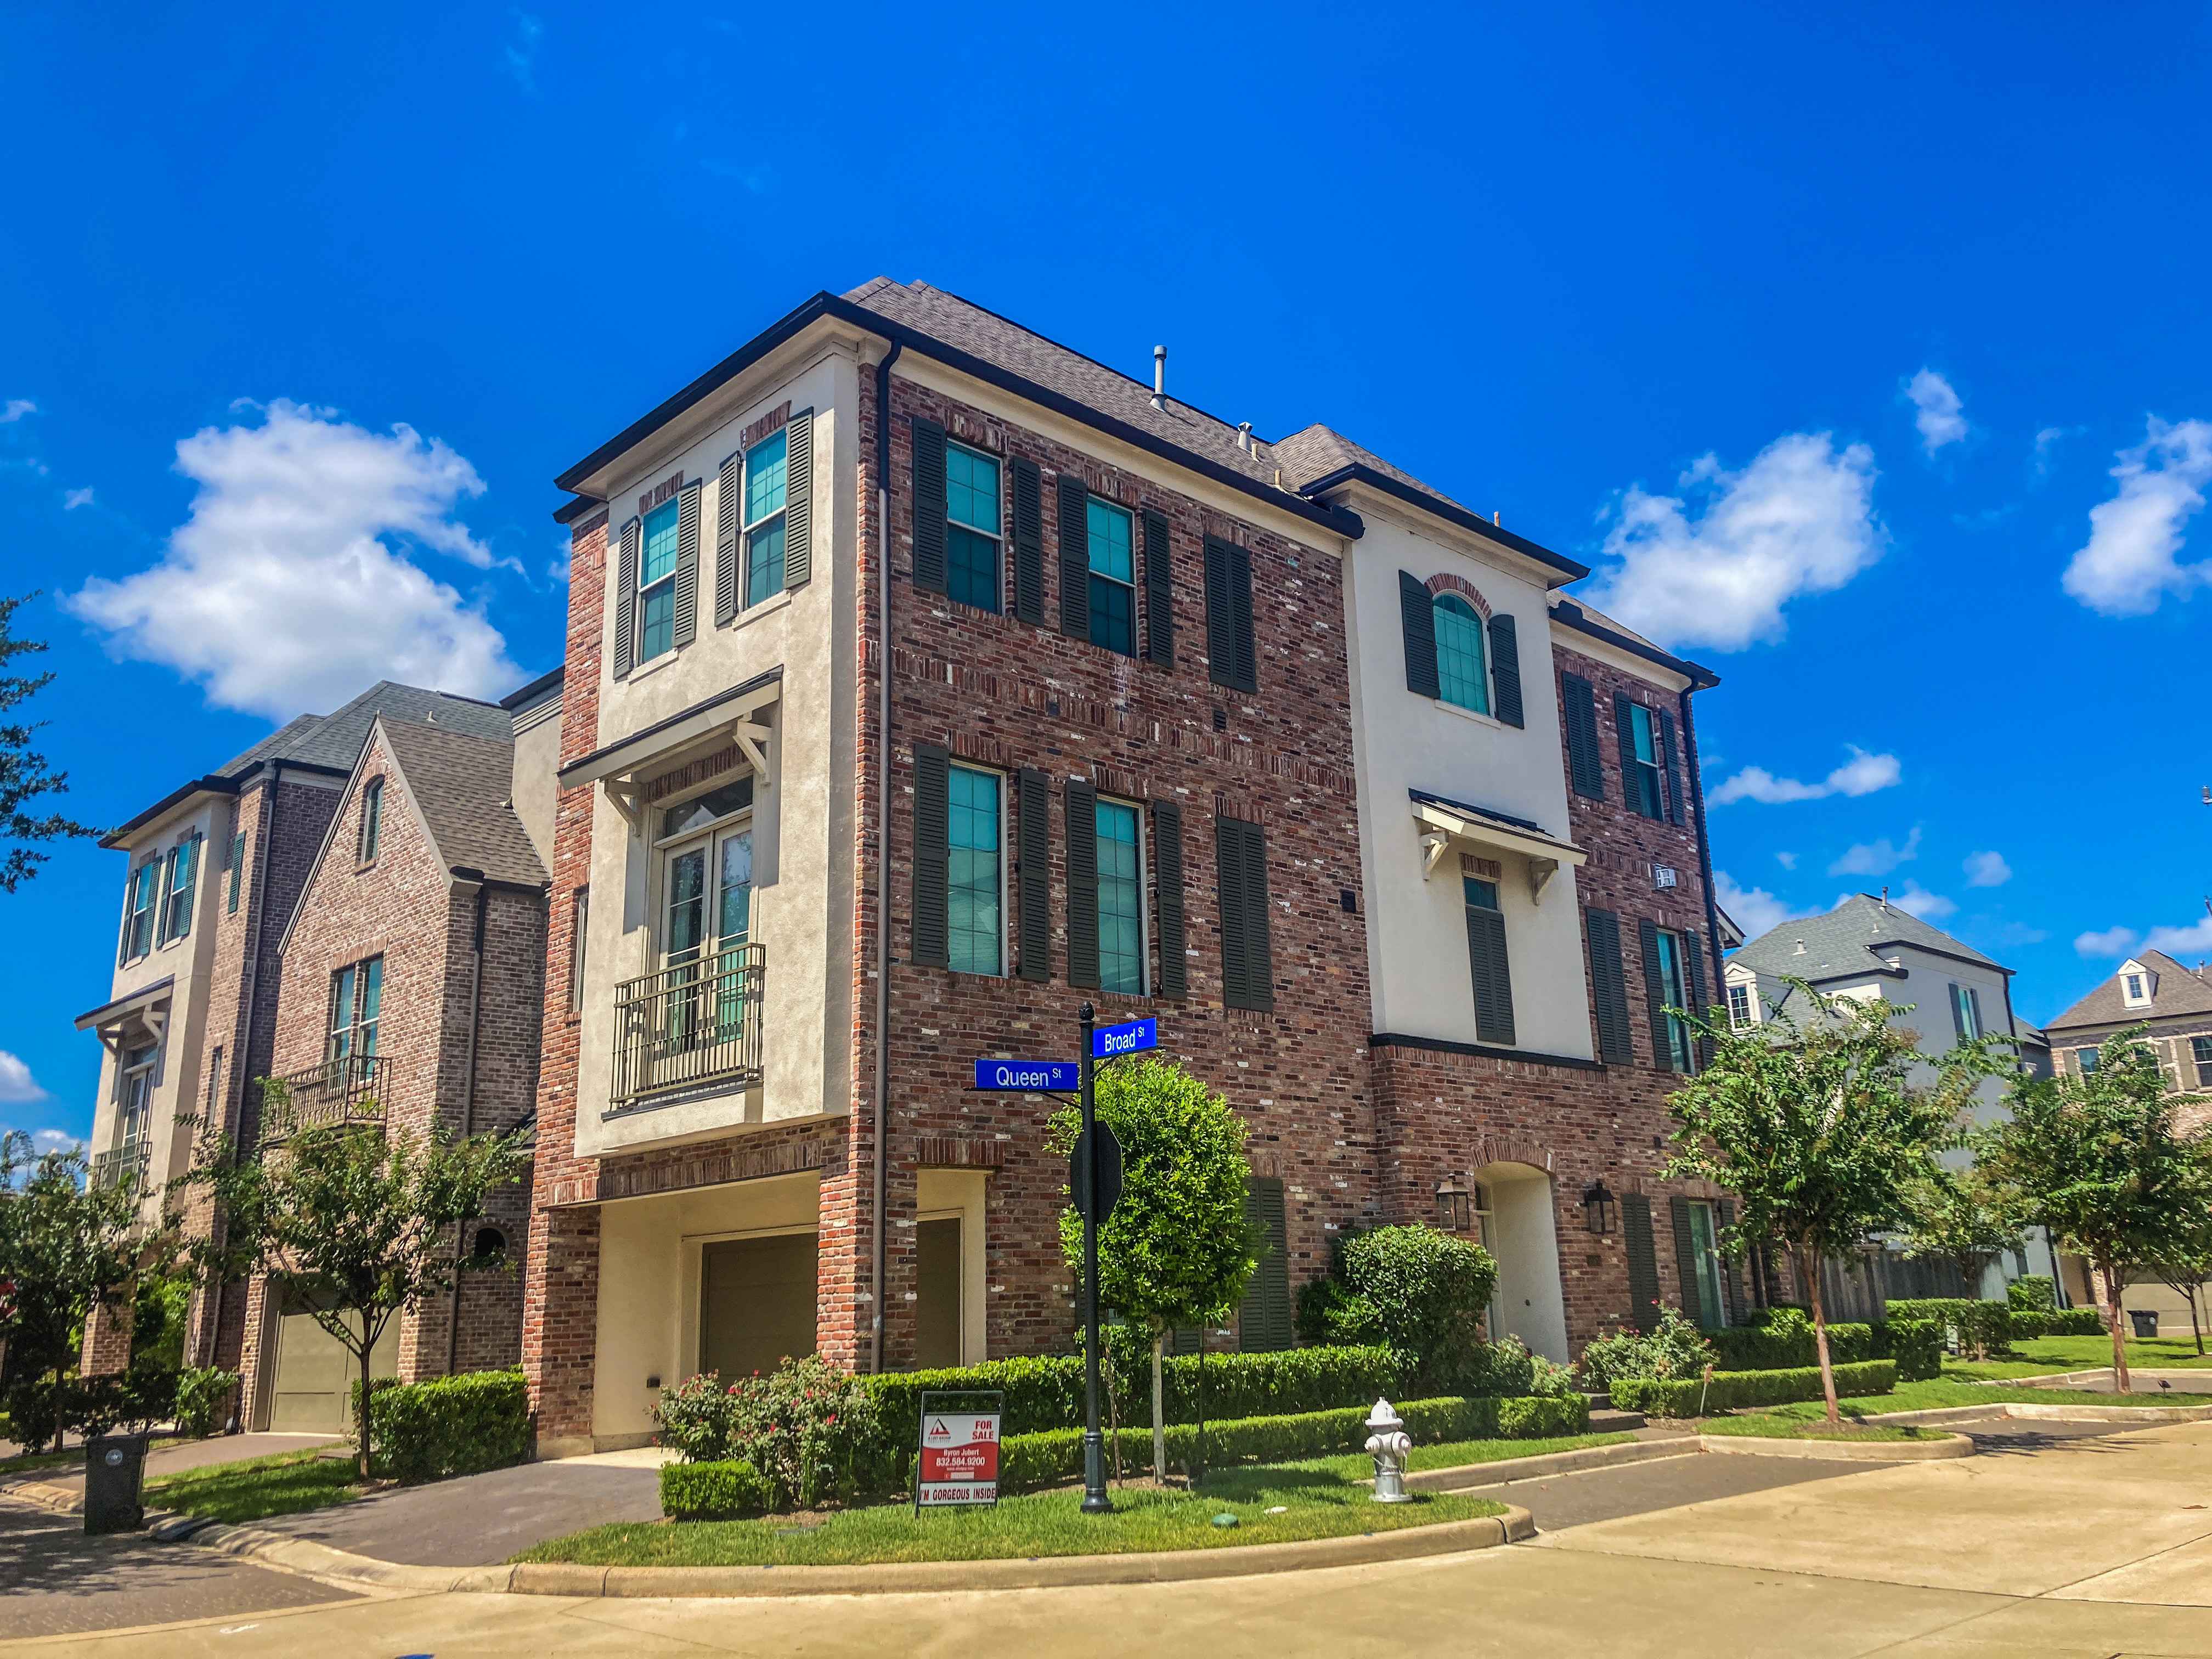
(659, 561)
(657, 631)
(1459, 672)
(764, 562)
(764, 476)
(1113, 614)
(971, 568)
(1110, 543)
(1121, 901)
(971, 489)
(687, 903)
(735, 888)
(974, 888)
(372, 998)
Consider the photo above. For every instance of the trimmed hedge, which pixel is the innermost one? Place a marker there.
(714, 1492)
(2056, 1321)
(448, 1425)
(2032, 1293)
(1681, 1397)
(1785, 1341)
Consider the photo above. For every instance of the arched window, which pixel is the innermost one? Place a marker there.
(1460, 671)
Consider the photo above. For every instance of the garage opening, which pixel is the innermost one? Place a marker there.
(315, 1374)
(755, 1303)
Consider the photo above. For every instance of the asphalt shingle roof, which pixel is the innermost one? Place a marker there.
(335, 739)
(1845, 941)
(2179, 990)
(462, 782)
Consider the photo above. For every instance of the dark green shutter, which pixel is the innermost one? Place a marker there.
(1074, 557)
(1159, 592)
(1079, 801)
(928, 506)
(1616, 1043)
(1231, 658)
(1676, 813)
(626, 599)
(1655, 993)
(1686, 1258)
(1583, 764)
(1493, 979)
(1240, 617)
(1028, 540)
(798, 500)
(1624, 729)
(1693, 956)
(1263, 1317)
(236, 868)
(729, 521)
(1416, 618)
(1643, 1262)
(687, 566)
(1033, 834)
(1167, 876)
(130, 890)
(1247, 963)
(1506, 668)
(933, 855)
(1731, 1263)
(189, 856)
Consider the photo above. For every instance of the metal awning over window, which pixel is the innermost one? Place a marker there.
(1443, 821)
(132, 1021)
(625, 767)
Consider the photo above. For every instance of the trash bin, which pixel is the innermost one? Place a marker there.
(2145, 1319)
(114, 1467)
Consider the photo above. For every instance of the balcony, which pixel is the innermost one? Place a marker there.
(129, 1162)
(338, 1092)
(694, 1029)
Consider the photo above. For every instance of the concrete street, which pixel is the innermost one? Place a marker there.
(2049, 1543)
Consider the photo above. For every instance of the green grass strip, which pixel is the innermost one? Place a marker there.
(1769, 1426)
(283, 1483)
(1458, 1453)
(1938, 1393)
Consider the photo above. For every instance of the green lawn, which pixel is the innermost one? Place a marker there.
(1931, 1395)
(28, 1462)
(282, 1484)
(1771, 1425)
(1316, 1503)
(1358, 1466)
(2044, 1354)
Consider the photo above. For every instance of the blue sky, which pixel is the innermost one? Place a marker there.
(1880, 335)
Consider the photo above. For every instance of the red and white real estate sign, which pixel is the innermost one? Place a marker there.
(959, 1458)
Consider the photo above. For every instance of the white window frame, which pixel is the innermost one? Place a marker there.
(673, 504)
(749, 530)
(666, 849)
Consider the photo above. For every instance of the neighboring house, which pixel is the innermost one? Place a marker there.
(2175, 1003)
(1870, 950)
(215, 871)
(927, 680)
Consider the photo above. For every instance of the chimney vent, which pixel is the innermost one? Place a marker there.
(1244, 436)
(1160, 378)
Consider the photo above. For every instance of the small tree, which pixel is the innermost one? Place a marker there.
(1416, 1289)
(2098, 1160)
(24, 774)
(1818, 1129)
(2183, 1266)
(361, 1220)
(1963, 1216)
(1177, 1249)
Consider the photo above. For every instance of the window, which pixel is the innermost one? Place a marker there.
(1461, 677)
(579, 932)
(1113, 579)
(138, 903)
(1704, 1277)
(2200, 1050)
(1674, 993)
(1120, 897)
(2137, 986)
(765, 476)
(184, 869)
(1646, 787)
(707, 874)
(656, 582)
(971, 502)
(1966, 1011)
(357, 993)
(372, 820)
(1248, 974)
(1485, 949)
(136, 1099)
(975, 872)
(237, 867)
(2087, 1060)
(1739, 1014)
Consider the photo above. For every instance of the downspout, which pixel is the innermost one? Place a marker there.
(880, 1153)
(1704, 846)
(468, 1108)
(242, 1069)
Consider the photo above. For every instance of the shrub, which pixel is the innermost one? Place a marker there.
(202, 1391)
(1969, 1325)
(136, 1398)
(714, 1492)
(1506, 1369)
(2056, 1321)
(695, 1419)
(1675, 1348)
(2032, 1293)
(1916, 1345)
(447, 1425)
(1414, 1288)
(1683, 1396)
(808, 1430)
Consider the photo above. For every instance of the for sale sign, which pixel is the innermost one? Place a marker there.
(959, 1457)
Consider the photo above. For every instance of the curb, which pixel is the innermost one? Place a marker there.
(1862, 1451)
(2147, 1416)
(39, 1492)
(1470, 1477)
(2103, 1374)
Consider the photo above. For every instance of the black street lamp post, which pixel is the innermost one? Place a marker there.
(1095, 1500)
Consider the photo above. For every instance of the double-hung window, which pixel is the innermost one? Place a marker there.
(356, 995)
(138, 911)
(1113, 578)
(1120, 898)
(372, 821)
(766, 474)
(1647, 788)
(656, 583)
(181, 881)
(1702, 1244)
(1740, 1013)
(2087, 1060)
(972, 557)
(1966, 1011)
(975, 871)
(1463, 675)
(2200, 1051)
(136, 1101)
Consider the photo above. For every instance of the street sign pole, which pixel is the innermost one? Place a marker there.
(1095, 1500)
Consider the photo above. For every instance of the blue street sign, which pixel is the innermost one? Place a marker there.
(1108, 1040)
(1029, 1076)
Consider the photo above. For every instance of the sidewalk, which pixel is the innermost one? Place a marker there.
(193, 1454)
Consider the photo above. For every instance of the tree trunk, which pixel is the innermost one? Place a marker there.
(1820, 1343)
(2119, 1340)
(361, 1421)
(2196, 1323)
(1159, 1424)
(60, 1418)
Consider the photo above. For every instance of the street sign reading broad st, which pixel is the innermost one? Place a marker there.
(1040, 1076)
(1108, 1040)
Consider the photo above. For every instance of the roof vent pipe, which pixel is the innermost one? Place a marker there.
(1244, 436)
(1160, 378)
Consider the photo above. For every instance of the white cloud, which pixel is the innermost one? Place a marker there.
(2129, 563)
(17, 1083)
(1875, 858)
(290, 586)
(1917, 901)
(2112, 942)
(1862, 775)
(1754, 909)
(1987, 870)
(1787, 861)
(1799, 520)
(519, 57)
(16, 409)
(2182, 943)
(73, 499)
(1936, 407)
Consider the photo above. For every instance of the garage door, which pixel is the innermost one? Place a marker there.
(315, 1374)
(755, 1303)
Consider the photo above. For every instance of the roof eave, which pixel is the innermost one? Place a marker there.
(1451, 511)
(1568, 613)
(120, 836)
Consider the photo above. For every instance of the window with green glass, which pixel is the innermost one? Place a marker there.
(975, 874)
(1674, 994)
(1463, 678)
(1121, 900)
(764, 483)
(1647, 793)
(1704, 1246)
(356, 999)
(656, 583)
(1113, 579)
(972, 559)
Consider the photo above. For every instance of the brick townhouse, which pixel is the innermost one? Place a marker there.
(202, 1008)
(925, 680)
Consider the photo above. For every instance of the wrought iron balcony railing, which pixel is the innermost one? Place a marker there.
(695, 1026)
(131, 1161)
(345, 1090)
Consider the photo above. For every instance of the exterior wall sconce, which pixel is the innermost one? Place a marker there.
(1601, 1210)
(1454, 1213)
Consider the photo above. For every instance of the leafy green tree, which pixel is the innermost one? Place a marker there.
(24, 774)
(2101, 1163)
(1418, 1290)
(1964, 1217)
(1817, 1128)
(1177, 1249)
(68, 1246)
(361, 1220)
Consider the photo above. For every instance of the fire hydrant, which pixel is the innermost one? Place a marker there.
(1388, 1443)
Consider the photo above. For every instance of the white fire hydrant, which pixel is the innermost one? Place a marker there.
(1388, 1444)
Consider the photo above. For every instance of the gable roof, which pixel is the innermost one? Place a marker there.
(333, 741)
(461, 783)
(2180, 990)
(1848, 939)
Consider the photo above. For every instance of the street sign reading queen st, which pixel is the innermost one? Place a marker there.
(1040, 1076)
(959, 1461)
